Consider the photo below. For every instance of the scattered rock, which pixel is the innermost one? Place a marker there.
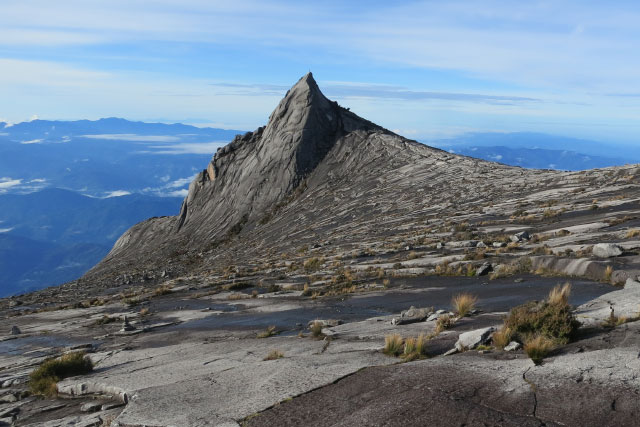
(484, 269)
(412, 315)
(481, 245)
(91, 407)
(10, 398)
(499, 244)
(606, 250)
(519, 237)
(513, 346)
(15, 330)
(112, 405)
(519, 280)
(126, 326)
(326, 323)
(472, 339)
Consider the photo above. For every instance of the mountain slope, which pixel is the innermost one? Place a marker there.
(315, 168)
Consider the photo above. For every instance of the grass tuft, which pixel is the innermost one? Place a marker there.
(502, 337)
(44, 378)
(269, 332)
(274, 355)
(444, 322)
(537, 347)
(560, 294)
(316, 330)
(464, 303)
(393, 345)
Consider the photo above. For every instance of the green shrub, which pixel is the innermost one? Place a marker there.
(552, 318)
(44, 378)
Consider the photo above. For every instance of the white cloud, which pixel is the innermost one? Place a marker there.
(177, 193)
(133, 137)
(6, 230)
(6, 183)
(188, 148)
(32, 141)
(117, 193)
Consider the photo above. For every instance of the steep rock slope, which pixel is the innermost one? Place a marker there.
(315, 173)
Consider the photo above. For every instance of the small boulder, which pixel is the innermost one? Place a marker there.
(481, 245)
(512, 346)
(606, 250)
(499, 244)
(519, 237)
(483, 269)
(126, 326)
(326, 323)
(91, 407)
(472, 339)
(15, 330)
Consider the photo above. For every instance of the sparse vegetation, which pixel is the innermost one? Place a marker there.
(552, 318)
(415, 348)
(44, 378)
(633, 233)
(269, 332)
(464, 303)
(502, 337)
(274, 355)
(443, 323)
(608, 272)
(312, 264)
(162, 290)
(537, 347)
(316, 329)
(105, 319)
(393, 345)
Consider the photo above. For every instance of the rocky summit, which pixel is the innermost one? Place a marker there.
(314, 255)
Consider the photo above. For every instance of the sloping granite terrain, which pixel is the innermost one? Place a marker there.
(322, 215)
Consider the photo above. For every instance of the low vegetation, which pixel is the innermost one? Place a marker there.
(43, 379)
(393, 345)
(274, 355)
(316, 330)
(269, 332)
(464, 303)
(443, 323)
(541, 324)
(537, 347)
(502, 337)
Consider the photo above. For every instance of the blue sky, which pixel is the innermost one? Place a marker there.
(426, 69)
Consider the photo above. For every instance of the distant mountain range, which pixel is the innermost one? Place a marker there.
(68, 190)
(104, 157)
(53, 236)
(540, 151)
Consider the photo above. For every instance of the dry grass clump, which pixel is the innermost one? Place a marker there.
(393, 345)
(270, 331)
(162, 290)
(542, 250)
(522, 265)
(238, 286)
(559, 295)
(44, 378)
(537, 347)
(444, 322)
(633, 233)
(105, 319)
(316, 329)
(415, 348)
(274, 355)
(502, 337)
(608, 272)
(312, 264)
(464, 303)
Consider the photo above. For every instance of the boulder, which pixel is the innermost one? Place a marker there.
(412, 315)
(15, 330)
(481, 245)
(512, 346)
(326, 323)
(519, 237)
(472, 339)
(606, 250)
(499, 244)
(91, 407)
(483, 269)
